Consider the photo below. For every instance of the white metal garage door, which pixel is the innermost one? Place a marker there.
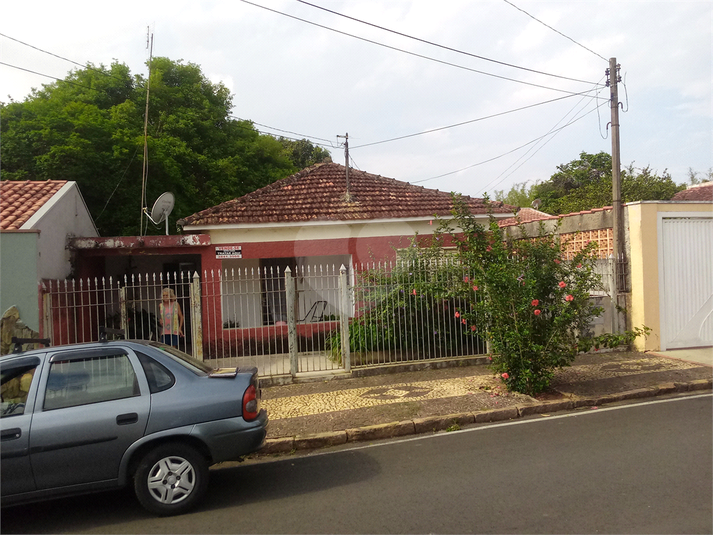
(686, 280)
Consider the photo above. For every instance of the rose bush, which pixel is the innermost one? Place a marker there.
(528, 299)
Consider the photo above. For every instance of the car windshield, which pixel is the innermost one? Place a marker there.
(196, 366)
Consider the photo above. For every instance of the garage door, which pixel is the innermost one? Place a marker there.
(686, 281)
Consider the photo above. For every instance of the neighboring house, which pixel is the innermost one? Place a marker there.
(700, 192)
(37, 218)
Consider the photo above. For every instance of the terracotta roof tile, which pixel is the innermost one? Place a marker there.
(701, 192)
(318, 193)
(20, 200)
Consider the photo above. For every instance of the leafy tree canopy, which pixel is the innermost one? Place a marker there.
(90, 128)
(586, 183)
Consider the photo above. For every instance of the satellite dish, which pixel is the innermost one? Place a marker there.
(161, 209)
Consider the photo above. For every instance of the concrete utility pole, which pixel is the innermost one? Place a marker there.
(346, 162)
(618, 216)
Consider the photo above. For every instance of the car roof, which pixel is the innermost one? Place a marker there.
(86, 345)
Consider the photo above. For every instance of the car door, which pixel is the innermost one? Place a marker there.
(94, 404)
(19, 385)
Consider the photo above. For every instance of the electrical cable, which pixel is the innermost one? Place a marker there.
(457, 51)
(60, 57)
(503, 154)
(556, 31)
(552, 133)
(406, 51)
(470, 121)
(47, 76)
(302, 136)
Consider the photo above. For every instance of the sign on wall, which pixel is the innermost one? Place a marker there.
(229, 251)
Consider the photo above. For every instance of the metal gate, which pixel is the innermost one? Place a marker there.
(685, 261)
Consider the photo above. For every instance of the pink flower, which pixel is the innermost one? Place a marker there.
(465, 279)
(505, 376)
(457, 314)
(562, 284)
(579, 265)
(472, 328)
(537, 312)
(557, 261)
(463, 321)
(414, 291)
(488, 248)
(569, 298)
(535, 302)
(475, 288)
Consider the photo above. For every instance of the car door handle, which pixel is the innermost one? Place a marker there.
(128, 418)
(11, 434)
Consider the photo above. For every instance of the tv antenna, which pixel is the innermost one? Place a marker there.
(161, 209)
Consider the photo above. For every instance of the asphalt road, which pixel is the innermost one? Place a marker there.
(640, 468)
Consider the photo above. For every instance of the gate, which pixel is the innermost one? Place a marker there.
(685, 280)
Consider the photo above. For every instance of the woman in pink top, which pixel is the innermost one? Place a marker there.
(171, 318)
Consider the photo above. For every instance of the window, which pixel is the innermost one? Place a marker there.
(80, 381)
(157, 375)
(15, 386)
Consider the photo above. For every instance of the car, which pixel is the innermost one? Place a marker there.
(87, 417)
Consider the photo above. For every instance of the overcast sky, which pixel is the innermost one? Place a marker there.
(298, 79)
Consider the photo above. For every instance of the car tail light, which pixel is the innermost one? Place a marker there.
(250, 403)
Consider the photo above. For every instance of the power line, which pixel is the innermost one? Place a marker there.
(60, 57)
(457, 51)
(556, 31)
(505, 153)
(328, 143)
(47, 76)
(470, 121)
(442, 62)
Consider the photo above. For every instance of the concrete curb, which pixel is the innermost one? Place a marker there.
(432, 424)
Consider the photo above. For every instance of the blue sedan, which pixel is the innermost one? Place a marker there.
(88, 417)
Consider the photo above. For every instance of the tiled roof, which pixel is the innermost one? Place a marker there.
(318, 193)
(525, 215)
(20, 200)
(701, 192)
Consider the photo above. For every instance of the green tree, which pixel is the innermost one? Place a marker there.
(519, 195)
(302, 153)
(586, 183)
(90, 128)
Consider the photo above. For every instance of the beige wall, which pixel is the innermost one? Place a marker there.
(644, 308)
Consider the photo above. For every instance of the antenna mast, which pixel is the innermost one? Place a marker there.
(145, 171)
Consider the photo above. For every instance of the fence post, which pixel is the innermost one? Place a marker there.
(196, 316)
(290, 296)
(344, 318)
(124, 315)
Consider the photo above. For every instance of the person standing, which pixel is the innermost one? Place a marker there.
(171, 318)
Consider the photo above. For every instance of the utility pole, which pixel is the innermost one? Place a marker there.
(618, 219)
(145, 171)
(346, 163)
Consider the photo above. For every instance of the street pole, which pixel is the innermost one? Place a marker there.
(618, 219)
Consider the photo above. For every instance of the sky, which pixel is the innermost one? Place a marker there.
(524, 80)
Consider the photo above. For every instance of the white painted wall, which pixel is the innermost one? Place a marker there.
(65, 215)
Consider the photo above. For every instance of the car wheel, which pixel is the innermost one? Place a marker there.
(171, 479)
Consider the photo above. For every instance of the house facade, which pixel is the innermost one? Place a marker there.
(37, 220)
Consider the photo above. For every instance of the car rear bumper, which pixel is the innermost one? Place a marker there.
(231, 438)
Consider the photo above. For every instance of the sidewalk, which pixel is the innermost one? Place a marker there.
(340, 410)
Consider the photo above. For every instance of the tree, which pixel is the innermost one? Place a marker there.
(586, 183)
(694, 179)
(90, 128)
(303, 153)
(519, 195)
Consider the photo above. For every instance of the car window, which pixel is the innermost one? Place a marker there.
(158, 377)
(80, 381)
(185, 360)
(15, 384)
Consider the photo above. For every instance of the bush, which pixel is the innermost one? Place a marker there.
(527, 298)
